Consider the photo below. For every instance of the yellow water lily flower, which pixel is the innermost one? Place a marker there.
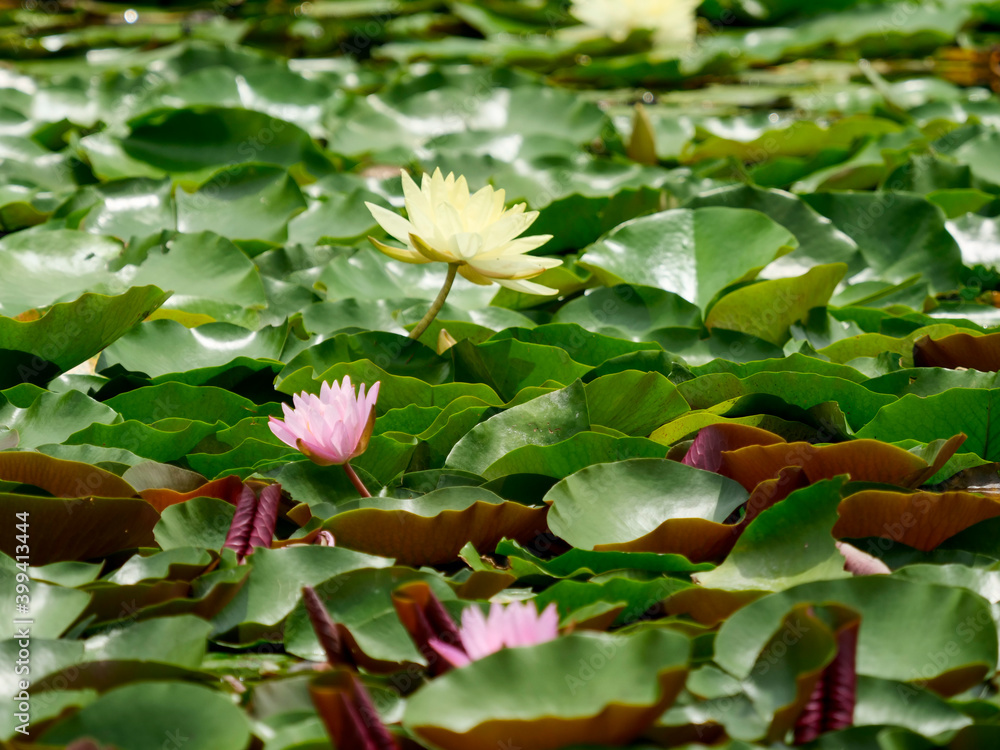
(475, 232)
(672, 22)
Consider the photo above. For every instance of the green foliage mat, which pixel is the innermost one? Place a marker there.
(778, 264)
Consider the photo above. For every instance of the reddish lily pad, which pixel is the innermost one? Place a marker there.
(62, 478)
(705, 451)
(862, 460)
(80, 528)
(959, 350)
(433, 528)
(226, 488)
(922, 520)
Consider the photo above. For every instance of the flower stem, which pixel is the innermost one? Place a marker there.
(356, 481)
(438, 303)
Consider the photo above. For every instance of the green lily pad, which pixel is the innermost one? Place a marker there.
(682, 251)
(630, 311)
(71, 332)
(569, 456)
(245, 202)
(540, 708)
(159, 710)
(545, 420)
(53, 417)
(898, 236)
(275, 585)
(161, 348)
(954, 668)
(73, 262)
(672, 508)
(776, 304)
(940, 416)
(787, 544)
(360, 600)
(195, 139)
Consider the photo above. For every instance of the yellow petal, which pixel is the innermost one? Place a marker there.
(518, 267)
(391, 222)
(415, 198)
(527, 287)
(510, 275)
(460, 193)
(512, 249)
(399, 253)
(428, 252)
(472, 275)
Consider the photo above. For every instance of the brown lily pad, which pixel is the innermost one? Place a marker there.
(62, 478)
(922, 520)
(225, 488)
(862, 460)
(705, 452)
(959, 350)
(433, 528)
(80, 528)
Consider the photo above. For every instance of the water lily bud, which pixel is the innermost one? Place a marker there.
(331, 428)
(445, 341)
(642, 144)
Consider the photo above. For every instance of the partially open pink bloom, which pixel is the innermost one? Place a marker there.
(331, 428)
(517, 624)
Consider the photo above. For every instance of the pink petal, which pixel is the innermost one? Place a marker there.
(517, 624)
(534, 630)
(282, 432)
(528, 627)
(297, 424)
(548, 623)
(496, 627)
(343, 442)
(861, 563)
(475, 633)
(454, 656)
(520, 618)
(319, 450)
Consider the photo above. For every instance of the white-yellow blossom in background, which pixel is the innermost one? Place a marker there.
(448, 224)
(672, 22)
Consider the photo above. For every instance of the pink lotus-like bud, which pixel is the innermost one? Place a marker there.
(331, 428)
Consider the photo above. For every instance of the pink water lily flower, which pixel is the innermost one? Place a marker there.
(331, 428)
(517, 624)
